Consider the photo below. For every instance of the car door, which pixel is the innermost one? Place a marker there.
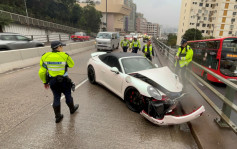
(110, 79)
(24, 42)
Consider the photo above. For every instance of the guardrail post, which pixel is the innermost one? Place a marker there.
(230, 94)
(48, 38)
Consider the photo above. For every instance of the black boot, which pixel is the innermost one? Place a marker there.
(72, 107)
(58, 115)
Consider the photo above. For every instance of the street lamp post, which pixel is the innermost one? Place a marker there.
(196, 28)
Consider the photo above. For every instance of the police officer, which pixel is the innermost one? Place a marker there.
(125, 44)
(148, 50)
(53, 73)
(183, 58)
(135, 45)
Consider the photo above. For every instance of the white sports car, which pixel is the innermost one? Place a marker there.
(152, 91)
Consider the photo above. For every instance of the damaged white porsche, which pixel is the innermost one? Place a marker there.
(152, 91)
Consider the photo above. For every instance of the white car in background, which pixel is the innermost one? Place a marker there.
(145, 88)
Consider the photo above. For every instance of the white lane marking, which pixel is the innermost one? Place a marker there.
(200, 83)
(79, 85)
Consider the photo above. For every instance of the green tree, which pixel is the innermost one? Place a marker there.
(172, 39)
(192, 34)
(208, 37)
(4, 21)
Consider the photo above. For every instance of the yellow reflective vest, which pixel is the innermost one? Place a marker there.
(135, 44)
(55, 63)
(186, 56)
(150, 50)
(124, 43)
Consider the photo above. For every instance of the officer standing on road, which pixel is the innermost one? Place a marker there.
(125, 44)
(53, 73)
(135, 45)
(184, 56)
(148, 50)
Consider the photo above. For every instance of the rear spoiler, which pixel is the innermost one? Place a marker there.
(97, 54)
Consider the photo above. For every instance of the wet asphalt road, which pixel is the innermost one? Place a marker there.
(102, 121)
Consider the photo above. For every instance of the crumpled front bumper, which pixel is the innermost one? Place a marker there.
(172, 120)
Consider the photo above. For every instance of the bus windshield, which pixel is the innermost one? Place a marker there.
(228, 64)
(104, 36)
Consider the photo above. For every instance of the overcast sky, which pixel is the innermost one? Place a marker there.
(164, 12)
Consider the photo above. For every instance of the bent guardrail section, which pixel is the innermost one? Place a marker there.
(16, 59)
(228, 105)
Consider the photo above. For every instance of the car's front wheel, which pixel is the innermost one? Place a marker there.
(133, 100)
(91, 74)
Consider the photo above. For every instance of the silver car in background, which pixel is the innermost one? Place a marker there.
(11, 41)
(107, 41)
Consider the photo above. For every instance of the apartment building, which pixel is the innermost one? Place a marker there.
(116, 10)
(153, 29)
(215, 18)
(141, 25)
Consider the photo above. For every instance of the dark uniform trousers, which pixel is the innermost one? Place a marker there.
(125, 49)
(135, 49)
(58, 86)
(181, 71)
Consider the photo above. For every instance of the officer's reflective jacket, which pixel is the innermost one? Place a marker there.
(124, 43)
(150, 51)
(185, 56)
(55, 63)
(135, 44)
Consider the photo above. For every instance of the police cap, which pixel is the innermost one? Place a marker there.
(183, 41)
(55, 44)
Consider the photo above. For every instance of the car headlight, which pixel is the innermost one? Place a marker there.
(154, 93)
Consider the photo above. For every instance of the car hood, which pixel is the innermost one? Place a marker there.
(162, 78)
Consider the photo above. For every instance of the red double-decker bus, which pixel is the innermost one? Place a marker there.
(217, 55)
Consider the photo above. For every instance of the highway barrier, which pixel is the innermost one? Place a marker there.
(21, 58)
(227, 99)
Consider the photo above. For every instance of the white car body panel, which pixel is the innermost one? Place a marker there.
(118, 83)
(171, 120)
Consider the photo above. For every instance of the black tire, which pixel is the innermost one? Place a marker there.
(133, 100)
(91, 74)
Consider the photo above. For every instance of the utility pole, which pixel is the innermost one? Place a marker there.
(106, 17)
(196, 27)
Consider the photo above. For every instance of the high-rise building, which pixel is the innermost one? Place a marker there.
(153, 29)
(130, 20)
(141, 24)
(116, 10)
(215, 18)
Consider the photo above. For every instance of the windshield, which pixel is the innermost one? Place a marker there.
(129, 36)
(228, 63)
(103, 35)
(136, 64)
(79, 33)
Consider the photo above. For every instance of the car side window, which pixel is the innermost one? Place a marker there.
(8, 37)
(111, 61)
(22, 38)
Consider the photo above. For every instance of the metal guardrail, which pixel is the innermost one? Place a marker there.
(227, 99)
(38, 23)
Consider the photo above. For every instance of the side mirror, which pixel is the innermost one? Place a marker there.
(115, 70)
(156, 65)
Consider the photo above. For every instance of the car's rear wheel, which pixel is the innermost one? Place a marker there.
(91, 74)
(133, 100)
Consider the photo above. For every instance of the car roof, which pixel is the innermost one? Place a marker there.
(120, 55)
